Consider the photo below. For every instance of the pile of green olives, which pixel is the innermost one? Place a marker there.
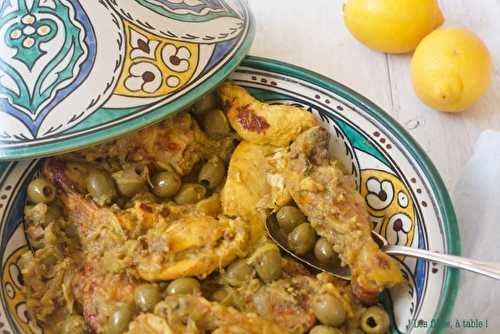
(146, 297)
(302, 238)
(213, 120)
(107, 183)
(331, 314)
(266, 265)
(106, 188)
(168, 184)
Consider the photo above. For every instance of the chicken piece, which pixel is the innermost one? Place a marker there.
(160, 241)
(338, 213)
(149, 324)
(186, 313)
(262, 123)
(288, 301)
(97, 291)
(176, 141)
(190, 246)
(253, 188)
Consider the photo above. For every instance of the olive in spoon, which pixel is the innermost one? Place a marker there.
(489, 269)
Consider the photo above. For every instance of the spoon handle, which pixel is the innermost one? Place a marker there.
(481, 267)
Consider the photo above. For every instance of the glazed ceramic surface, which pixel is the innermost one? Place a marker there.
(73, 72)
(407, 201)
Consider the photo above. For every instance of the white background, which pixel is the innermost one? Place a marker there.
(312, 34)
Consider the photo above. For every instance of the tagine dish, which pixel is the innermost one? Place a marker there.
(162, 231)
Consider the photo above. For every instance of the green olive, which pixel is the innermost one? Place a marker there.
(101, 186)
(215, 123)
(238, 273)
(329, 310)
(41, 191)
(268, 264)
(289, 217)
(211, 206)
(129, 182)
(301, 240)
(212, 173)
(225, 296)
(73, 324)
(166, 184)
(183, 286)
(324, 252)
(375, 320)
(190, 193)
(322, 329)
(204, 104)
(147, 296)
(120, 318)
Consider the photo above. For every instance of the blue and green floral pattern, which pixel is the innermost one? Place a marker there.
(50, 49)
(76, 72)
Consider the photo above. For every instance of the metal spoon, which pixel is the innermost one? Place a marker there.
(489, 269)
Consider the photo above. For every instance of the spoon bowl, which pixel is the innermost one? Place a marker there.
(489, 269)
(273, 230)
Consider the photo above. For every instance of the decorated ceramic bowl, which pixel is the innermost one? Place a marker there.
(73, 72)
(407, 200)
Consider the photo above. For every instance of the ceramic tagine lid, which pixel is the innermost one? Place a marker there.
(74, 72)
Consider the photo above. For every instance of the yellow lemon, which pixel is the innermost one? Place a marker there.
(392, 26)
(451, 69)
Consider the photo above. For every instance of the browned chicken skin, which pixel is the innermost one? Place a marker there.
(338, 213)
(262, 123)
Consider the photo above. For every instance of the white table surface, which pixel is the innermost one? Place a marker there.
(312, 34)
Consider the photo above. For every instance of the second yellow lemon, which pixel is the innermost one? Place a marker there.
(451, 69)
(392, 26)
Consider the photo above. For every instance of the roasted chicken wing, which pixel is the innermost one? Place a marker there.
(262, 123)
(338, 213)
